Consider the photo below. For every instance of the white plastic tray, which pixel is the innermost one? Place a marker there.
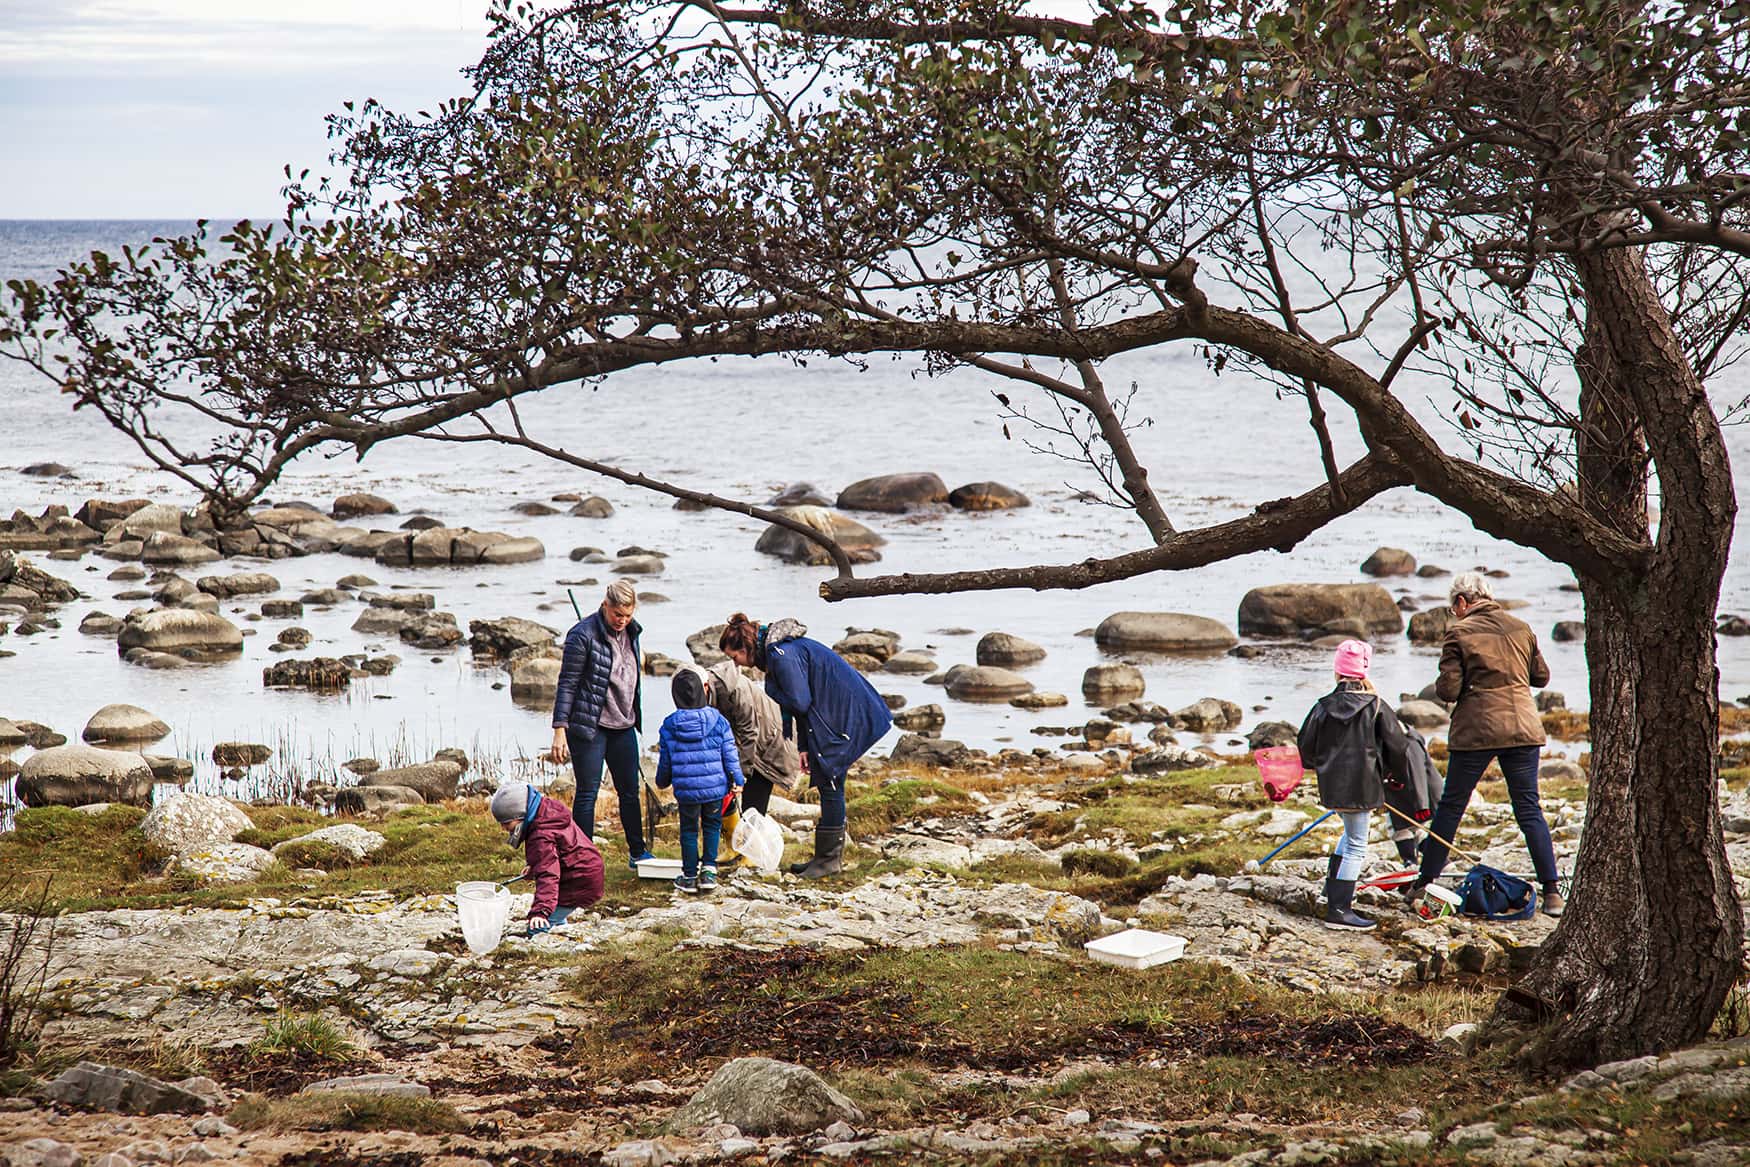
(658, 868)
(1136, 948)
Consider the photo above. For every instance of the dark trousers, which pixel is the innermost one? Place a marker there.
(832, 794)
(1463, 769)
(701, 828)
(618, 749)
(757, 794)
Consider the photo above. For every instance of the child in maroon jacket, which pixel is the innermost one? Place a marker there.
(566, 866)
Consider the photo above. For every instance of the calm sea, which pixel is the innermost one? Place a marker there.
(1216, 447)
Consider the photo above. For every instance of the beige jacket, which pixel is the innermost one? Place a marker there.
(758, 724)
(1489, 664)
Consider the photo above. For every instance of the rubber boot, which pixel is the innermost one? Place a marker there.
(728, 858)
(1339, 895)
(829, 853)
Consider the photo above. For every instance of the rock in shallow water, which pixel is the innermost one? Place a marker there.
(78, 775)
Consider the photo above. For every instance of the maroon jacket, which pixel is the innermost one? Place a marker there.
(566, 867)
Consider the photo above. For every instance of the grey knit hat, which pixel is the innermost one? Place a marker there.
(510, 804)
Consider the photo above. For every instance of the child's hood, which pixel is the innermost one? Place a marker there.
(691, 725)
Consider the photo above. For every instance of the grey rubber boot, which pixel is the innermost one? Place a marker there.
(829, 853)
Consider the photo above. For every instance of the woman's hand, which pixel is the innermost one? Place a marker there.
(803, 758)
(561, 748)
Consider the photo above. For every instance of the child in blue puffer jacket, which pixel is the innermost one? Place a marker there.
(698, 758)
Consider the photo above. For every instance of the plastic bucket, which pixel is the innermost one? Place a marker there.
(1281, 770)
(483, 908)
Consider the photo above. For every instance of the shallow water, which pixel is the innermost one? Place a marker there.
(1218, 446)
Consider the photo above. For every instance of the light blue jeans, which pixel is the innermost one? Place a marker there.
(1352, 847)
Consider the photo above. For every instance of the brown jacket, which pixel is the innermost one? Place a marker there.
(1489, 663)
(758, 724)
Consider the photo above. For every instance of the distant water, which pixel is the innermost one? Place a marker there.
(743, 428)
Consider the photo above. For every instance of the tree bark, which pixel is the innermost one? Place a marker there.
(1652, 939)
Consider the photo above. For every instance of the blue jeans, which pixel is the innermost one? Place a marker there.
(1463, 769)
(700, 818)
(618, 749)
(832, 794)
(1352, 847)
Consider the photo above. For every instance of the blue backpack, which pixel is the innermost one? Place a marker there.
(1495, 895)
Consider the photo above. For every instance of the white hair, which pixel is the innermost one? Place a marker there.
(1472, 585)
(621, 594)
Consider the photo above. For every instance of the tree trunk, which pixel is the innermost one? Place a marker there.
(1652, 939)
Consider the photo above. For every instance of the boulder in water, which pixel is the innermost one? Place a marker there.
(1312, 609)
(1163, 632)
(81, 775)
(859, 542)
(124, 723)
(893, 493)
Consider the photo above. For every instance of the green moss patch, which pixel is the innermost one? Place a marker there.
(343, 1111)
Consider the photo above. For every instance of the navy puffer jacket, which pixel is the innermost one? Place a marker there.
(584, 673)
(697, 755)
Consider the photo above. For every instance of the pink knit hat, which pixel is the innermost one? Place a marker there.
(1353, 657)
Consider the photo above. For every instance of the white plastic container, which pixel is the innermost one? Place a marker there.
(483, 908)
(1136, 948)
(659, 868)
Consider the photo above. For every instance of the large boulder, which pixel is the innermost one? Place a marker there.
(1389, 561)
(984, 683)
(349, 838)
(435, 781)
(322, 673)
(431, 630)
(1163, 632)
(986, 496)
(92, 1086)
(376, 799)
(171, 550)
(893, 494)
(535, 680)
(1311, 609)
(82, 775)
(351, 506)
(242, 583)
(224, 863)
(186, 823)
(761, 1096)
(1005, 650)
(1168, 758)
(181, 632)
(923, 750)
(509, 637)
(1109, 684)
(1429, 626)
(1423, 715)
(124, 723)
(924, 719)
(1208, 715)
(703, 645)
(859, 542)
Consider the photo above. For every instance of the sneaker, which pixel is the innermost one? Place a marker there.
(1553, 903)
(687, 883)
(708, 879)
(632, 863)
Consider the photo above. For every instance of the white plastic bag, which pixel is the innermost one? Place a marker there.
(759, 840)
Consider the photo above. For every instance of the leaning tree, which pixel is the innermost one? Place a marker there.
(1538, 208)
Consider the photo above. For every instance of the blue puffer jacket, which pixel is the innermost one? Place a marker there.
(698, 755)
(583, 676)
(840, 712)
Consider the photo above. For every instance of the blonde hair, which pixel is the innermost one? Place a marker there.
(1361, 683)
(621, 594)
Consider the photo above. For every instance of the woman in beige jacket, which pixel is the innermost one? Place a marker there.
(768, 758)
(1489, 664)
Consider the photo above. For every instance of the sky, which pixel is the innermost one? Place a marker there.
(178, 109)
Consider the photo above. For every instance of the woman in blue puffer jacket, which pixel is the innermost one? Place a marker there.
(697, 756)
(836, 715)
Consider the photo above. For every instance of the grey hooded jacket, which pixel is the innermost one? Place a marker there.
(758, 724)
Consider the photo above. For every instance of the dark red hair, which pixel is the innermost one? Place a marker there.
(741, 635)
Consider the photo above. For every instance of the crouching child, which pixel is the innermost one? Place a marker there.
(565, 865)
(697, 756)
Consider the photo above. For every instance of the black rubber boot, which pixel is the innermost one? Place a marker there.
(1407, 851)
(829, 853)
(1339, 895)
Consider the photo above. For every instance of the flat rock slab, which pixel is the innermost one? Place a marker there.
(386, 1085)
(92, 1086)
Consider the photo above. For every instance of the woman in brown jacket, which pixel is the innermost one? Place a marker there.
(1489, 664)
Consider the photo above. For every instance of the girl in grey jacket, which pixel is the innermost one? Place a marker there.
(1353, 740)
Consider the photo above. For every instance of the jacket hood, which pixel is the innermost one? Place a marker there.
(786, 629)
(691, 725)
(1347, 704)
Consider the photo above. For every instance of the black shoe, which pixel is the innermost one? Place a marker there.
(829, 854)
